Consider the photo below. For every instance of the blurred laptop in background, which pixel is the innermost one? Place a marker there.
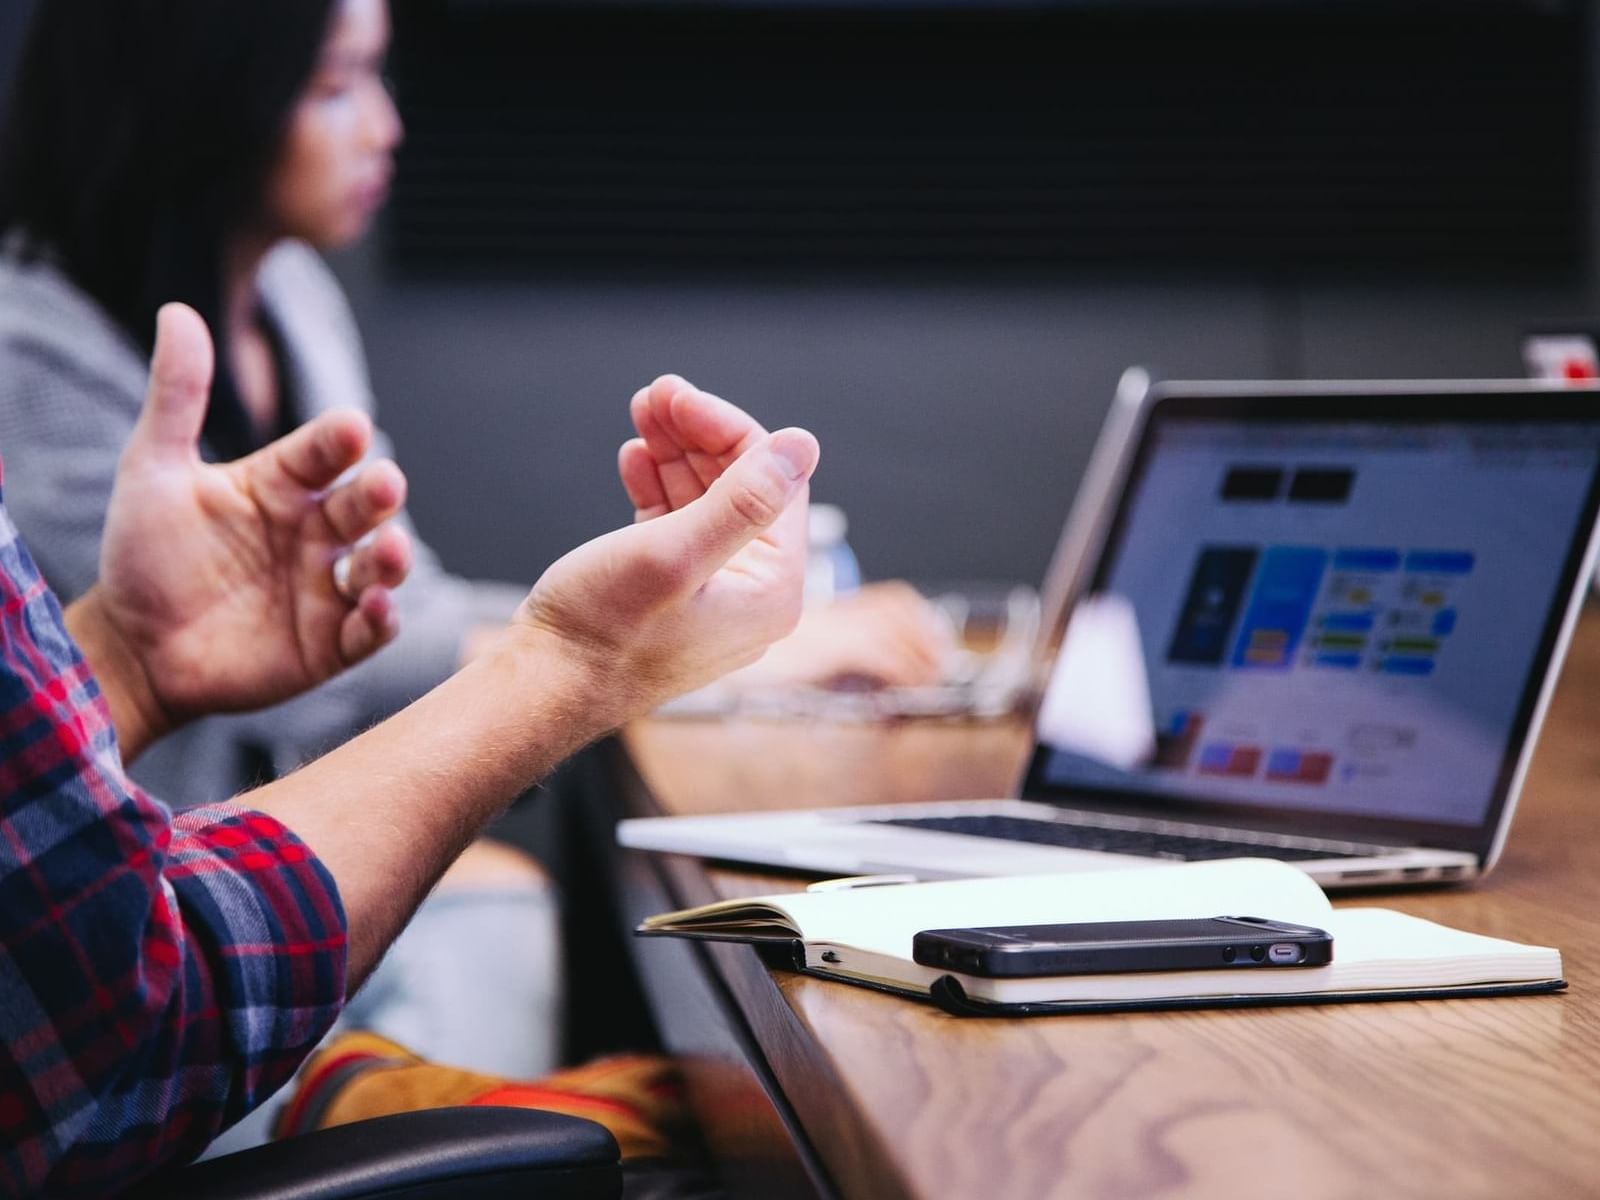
(1005, 634)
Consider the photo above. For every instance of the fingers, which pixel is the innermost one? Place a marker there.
(907, 619)
(650, 410)
(313, 456)
(886, 635)
(357, 507)
(369, 573)
(746, 501)
(641, 480)
(692, 435)
(880, 665)
(382, 561)
(369, 626)
(887, 657)
(908, 661)
(180, 386)
(710, 424)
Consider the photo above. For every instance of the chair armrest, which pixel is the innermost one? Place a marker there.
(460, 1153)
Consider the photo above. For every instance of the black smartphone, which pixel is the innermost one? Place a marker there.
(1105, 947)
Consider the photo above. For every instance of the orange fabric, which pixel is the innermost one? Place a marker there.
(360, 1075)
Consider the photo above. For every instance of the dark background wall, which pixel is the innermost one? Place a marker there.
(14, 16)
(1421, 197)
(936, 233)
(954, 419)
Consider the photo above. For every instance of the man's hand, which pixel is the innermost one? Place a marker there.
(687, 439)
(217, 585)
(885, 635)
(712, 572)
(708, 577)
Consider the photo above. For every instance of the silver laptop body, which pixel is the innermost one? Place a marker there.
(1313, 622)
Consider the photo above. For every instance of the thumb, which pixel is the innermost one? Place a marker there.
(746, 500)
(180, 385)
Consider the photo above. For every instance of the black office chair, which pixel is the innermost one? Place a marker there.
(459, 1153)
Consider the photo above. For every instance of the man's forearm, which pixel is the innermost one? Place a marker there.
(388, 811)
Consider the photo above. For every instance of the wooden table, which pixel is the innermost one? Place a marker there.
(808, 1087)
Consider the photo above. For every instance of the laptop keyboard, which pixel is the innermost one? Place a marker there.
(1125, 841)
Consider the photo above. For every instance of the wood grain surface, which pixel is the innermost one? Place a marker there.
(1461, 1098)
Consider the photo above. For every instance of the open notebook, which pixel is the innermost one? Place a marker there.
(863, 936)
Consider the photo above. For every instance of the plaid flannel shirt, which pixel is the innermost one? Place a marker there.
(159, 977)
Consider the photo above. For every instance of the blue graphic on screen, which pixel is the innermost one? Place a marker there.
(1286, 588)
(1437, 562)
(1366, 559)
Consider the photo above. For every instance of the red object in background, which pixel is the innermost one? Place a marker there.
(1562, 357)
(1310, 766)
(1241, 760)
(1314, 768)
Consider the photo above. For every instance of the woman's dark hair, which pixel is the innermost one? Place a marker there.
(138, 142)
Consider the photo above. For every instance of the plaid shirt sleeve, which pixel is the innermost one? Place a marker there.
(159, 977)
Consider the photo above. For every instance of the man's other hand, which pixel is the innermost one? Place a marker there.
(218, 586)
(887, 635)
(687, 439)
(712, 572)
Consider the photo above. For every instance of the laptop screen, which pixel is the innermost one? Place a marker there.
(1331, 616)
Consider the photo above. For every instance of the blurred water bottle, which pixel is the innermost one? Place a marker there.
(831, 568)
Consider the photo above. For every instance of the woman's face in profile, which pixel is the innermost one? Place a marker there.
(338, 156)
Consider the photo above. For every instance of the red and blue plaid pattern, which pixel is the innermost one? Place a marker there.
(159, 977)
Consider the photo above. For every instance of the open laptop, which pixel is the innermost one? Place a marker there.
(1315, 623)
(1021, 628)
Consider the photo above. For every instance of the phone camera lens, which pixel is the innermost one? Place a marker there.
(1259, 953)
(1229, 954)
